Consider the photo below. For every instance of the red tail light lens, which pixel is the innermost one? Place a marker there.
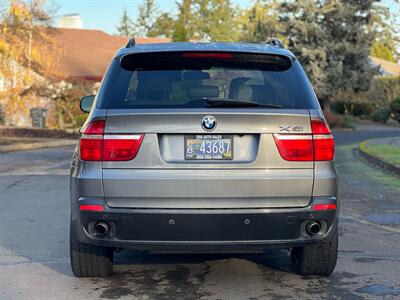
(324, 146)
(295, 147)
(95, 146)
(318, 147)
(95, 127)
(91, 149)
(320, 127)
(121, 149)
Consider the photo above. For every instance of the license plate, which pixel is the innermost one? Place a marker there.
(208, 147)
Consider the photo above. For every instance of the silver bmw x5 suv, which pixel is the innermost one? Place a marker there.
(204, 147)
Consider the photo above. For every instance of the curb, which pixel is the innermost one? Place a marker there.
(343, 130)
(32, 146)
(386, 166)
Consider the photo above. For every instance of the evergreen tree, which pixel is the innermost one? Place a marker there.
(125, 27)
(348, 28)
(260, 22)
(332, 39)
(183, 30)
(164, 26)
(307, 40)
(212, 19)
(386, 42)
(215, 19)
(146, 19)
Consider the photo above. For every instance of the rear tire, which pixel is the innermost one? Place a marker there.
(90, 261)
(319, 258)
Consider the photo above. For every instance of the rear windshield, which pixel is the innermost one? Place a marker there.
(192, 80)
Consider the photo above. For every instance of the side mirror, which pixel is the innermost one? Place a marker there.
(87, 103)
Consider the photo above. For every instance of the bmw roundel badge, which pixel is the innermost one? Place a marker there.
(209, 123)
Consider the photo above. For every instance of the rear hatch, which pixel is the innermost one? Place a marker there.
(206, 124)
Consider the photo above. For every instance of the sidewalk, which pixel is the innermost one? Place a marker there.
(374, 127)
(9, 144)
(364, 125)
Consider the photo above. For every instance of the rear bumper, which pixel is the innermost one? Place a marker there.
(202, 229)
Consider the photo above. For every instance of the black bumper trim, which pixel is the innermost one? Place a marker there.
(205, 229)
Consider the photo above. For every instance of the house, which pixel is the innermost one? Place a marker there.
(386, 68)
(85, 56)
(87, 53)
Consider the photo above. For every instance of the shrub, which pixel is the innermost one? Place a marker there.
(346, 122)
(80, 119)
(387, 89)
(359, 109)
(381, 115)
(340, 107)
(395, 106)
(2, 115)
(333, 120)
(353, 108)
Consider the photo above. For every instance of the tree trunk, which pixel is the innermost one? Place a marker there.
(326, 104)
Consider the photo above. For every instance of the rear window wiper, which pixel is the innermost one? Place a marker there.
(227, 102)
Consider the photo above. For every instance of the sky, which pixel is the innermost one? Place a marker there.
(105, 14)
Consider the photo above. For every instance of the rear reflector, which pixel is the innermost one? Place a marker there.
(330, 206)
(91, 207)
(318, 146)
(95, 146)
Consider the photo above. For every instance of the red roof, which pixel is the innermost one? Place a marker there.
(87, 53)
(386, 67)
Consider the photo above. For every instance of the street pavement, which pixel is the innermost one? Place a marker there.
(34, 258)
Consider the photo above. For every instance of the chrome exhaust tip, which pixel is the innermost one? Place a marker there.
(101, 228)
(313, 227)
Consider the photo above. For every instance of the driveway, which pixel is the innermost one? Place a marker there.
(34, 259)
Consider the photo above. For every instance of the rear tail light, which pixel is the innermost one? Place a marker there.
(295, 147)
(319, 146)
(121, 147)
(97, 146)
(324, 146)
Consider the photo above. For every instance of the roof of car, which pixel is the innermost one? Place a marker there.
(201, 46)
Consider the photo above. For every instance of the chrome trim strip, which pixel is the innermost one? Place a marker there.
(323, 136)
(293, 136)
(92, 136)
(123, 136)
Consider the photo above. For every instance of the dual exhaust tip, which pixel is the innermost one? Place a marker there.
(314, 228)
(101, 228)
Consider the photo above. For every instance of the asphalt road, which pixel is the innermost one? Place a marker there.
(34, 260)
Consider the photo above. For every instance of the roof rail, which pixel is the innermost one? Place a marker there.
(274, 42)
(131, 43)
